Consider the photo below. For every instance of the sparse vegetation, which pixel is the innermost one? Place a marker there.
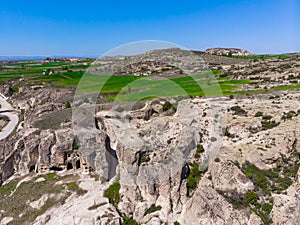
(199, 150)
(75, 188)
(167, 106)
(227, 133)
(269, 124)
(153, 208)
(76, 144)
(238, 111)
(259, 114)
(30, 191)
(265, 182)
(144, 159)
(67, 105)
(194, 178)
(112, 193)
(129, 221)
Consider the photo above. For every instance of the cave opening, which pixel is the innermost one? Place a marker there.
(56, 168)
(32, 168)
(78, 164)
(69, 166)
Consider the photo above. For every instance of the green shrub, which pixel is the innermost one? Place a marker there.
(290, 114)
(248, 174)
(153, 208)
(267, 207)
(251, 197)
(200, 149)
(267, 124)
(129, 221)
(238, 110)
(227, 133)
(258, 114)
(75, 145)
(176, 223)
(194, 177)
(167, 105)
(144, 159)
(67, 105)
(266, 117)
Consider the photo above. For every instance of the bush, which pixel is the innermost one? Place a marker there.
(144, 159)
(129, 221)
(238, 111)
(153, 208)
(290, 114)
(267, 208)
(200, 149)
(67, 105)
(167, 105)
(258, 114)
(176, 223)
(251, 198)
(267, 124)
(227, 133)
(266, 117)
(75, 145)
(194, 177)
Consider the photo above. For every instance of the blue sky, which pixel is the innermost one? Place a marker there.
(93, 27)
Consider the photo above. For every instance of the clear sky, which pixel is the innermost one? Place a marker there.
(90, 27)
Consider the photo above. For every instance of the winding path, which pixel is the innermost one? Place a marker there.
(7, 110)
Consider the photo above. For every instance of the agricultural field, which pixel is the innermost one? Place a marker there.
(131, 88)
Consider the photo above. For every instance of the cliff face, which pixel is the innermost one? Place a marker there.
(175, 164)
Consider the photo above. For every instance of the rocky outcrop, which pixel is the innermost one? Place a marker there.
(147, 68)
(207, 206)
(286, 209)
(227, 51)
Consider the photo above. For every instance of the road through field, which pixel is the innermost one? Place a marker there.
(7, 110)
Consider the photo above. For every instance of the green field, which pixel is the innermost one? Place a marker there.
(35, 69)
(126, 88)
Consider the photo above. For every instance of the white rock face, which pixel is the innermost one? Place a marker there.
(76, 209)
(286, 209)
(227, 177)
(6, 220)
(40, 202)
(157, 184)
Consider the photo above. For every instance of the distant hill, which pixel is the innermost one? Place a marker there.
(25, 58)
(14, 58)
